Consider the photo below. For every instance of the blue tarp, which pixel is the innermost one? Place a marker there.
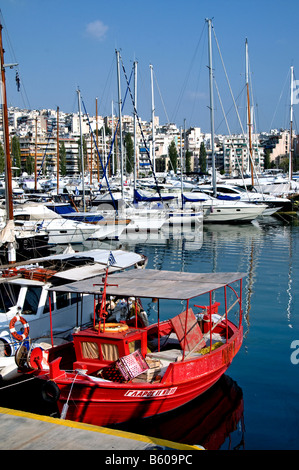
(140, 197)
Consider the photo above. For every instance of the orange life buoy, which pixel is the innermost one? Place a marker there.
(17, 336)
(114, 327)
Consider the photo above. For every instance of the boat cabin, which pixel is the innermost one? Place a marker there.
(95, 349)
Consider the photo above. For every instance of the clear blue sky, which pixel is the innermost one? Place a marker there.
(66, 44)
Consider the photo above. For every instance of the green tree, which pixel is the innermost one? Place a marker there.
(188, 161)
(129, 146)
(84, 154)
(16, 154)
(62, 159)
(173, 157)
(29, 165)
(2, 159)
(267, 163)
(202, 158)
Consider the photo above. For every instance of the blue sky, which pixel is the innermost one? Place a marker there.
(66, 44)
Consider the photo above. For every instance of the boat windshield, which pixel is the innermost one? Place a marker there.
(9, 294)
(32, 300)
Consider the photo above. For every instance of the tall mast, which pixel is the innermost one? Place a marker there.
(81, 146)
(153, 118)
(97, 134)
(249, 113)
(57, 151)
(8, 179)
(120, 128)
(35, 157)
(291, 126)
(212, 107)
(11, 251)
(135, 124)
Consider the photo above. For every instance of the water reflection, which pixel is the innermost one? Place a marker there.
(214, 420)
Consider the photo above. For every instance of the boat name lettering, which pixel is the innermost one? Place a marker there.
(150, 393)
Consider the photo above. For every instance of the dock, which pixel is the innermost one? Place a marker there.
(20, 430)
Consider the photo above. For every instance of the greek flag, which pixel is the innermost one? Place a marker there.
(111, 259)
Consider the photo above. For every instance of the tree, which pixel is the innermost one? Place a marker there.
(188, 161)
(62, 159)
(202, 158)
(267, 163)
(173, 157)
(84, 154)
(16, 154)
(29, 165)
(129, 146)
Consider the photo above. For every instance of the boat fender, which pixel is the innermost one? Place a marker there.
(15, 334)
(114, 327)
(50, 391)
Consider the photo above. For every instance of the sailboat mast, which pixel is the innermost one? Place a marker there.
(8, 179)
(81, 146)
(291, 126)
(212, 106)
(249, 113)
(153, 118)
(120, 127)
(57, 150)
(135, 124)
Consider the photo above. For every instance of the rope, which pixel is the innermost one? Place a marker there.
(141, 131)
(65, 406)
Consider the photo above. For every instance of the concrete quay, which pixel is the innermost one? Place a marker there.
(20, 430)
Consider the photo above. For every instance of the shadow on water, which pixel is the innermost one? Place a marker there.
(209, 420)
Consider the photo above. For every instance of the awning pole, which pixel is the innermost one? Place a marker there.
(51, 328)
(185, 338)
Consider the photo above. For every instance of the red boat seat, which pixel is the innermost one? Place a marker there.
(193, 336)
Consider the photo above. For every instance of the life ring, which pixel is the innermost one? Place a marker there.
(114, 327)
(13, 331)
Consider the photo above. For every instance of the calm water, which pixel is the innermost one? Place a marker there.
(268, 415)
(255, 406)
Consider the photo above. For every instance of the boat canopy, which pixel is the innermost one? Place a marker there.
(145, 283)
(141, 197)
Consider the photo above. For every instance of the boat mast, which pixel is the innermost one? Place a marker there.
(81, 146)
(249, 113)
(212, 106)
(153, 118)
(57, 151)
(97, 134)
(120, 128)
(135, 124)
(291, 125)
(8, 178)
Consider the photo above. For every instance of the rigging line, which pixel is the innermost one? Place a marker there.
(49, 137)
(248, 150)
(141, 131)
(187, 76)
(161, 98)
(9, 44)
(117, 125)
(282, 91)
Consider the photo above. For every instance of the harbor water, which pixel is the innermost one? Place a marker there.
(255, 405)
(259, 408)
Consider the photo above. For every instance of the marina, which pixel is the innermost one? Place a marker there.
(149, 288)
(255, 407)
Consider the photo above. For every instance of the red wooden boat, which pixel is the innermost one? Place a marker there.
(112, 373)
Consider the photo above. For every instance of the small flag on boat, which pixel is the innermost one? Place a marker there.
(111, 259)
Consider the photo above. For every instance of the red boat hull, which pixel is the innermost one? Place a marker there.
(103, 403)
